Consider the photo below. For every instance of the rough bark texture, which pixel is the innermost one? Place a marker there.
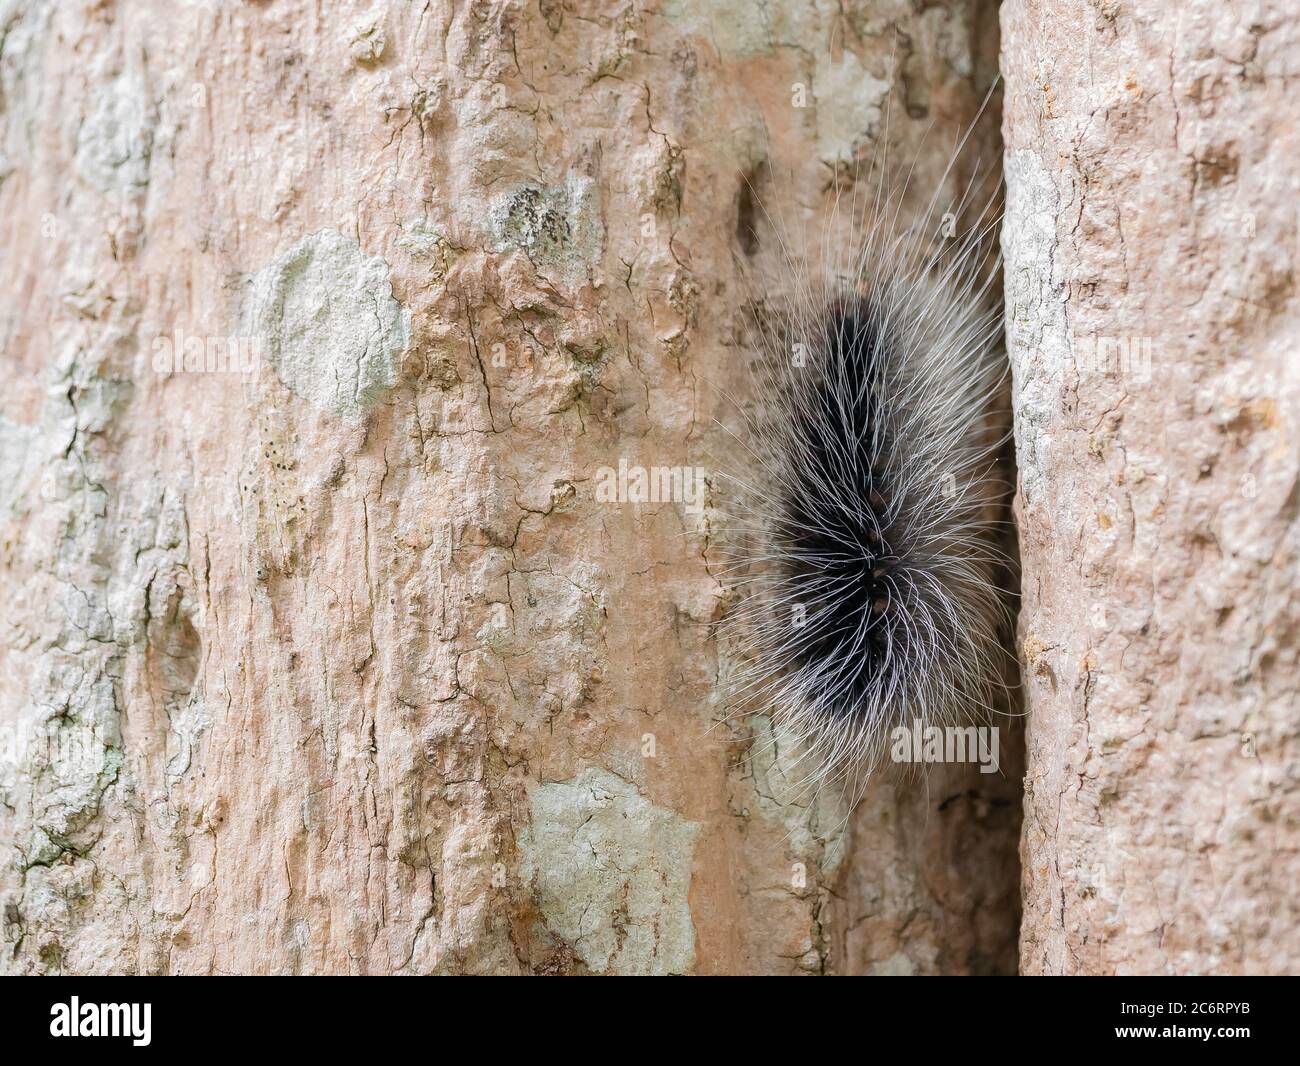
(1152, 168)
(340, 665)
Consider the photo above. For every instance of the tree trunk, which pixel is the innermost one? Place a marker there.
(321, 652)
(1152, 164)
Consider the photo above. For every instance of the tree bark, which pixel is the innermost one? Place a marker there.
(1152, 163)
(331, 660)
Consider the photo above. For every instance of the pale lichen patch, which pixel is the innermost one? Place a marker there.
(814, 818)
(612, 872)
(115, 140)
(557, 227)
(741, 28)
(327, 320)
(850, 105)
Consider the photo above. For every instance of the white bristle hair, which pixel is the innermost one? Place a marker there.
(867, 531)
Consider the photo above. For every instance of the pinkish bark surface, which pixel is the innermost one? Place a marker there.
(335, 662)
(1152, 170)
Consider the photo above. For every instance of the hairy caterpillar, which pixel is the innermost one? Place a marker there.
(876, 591)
